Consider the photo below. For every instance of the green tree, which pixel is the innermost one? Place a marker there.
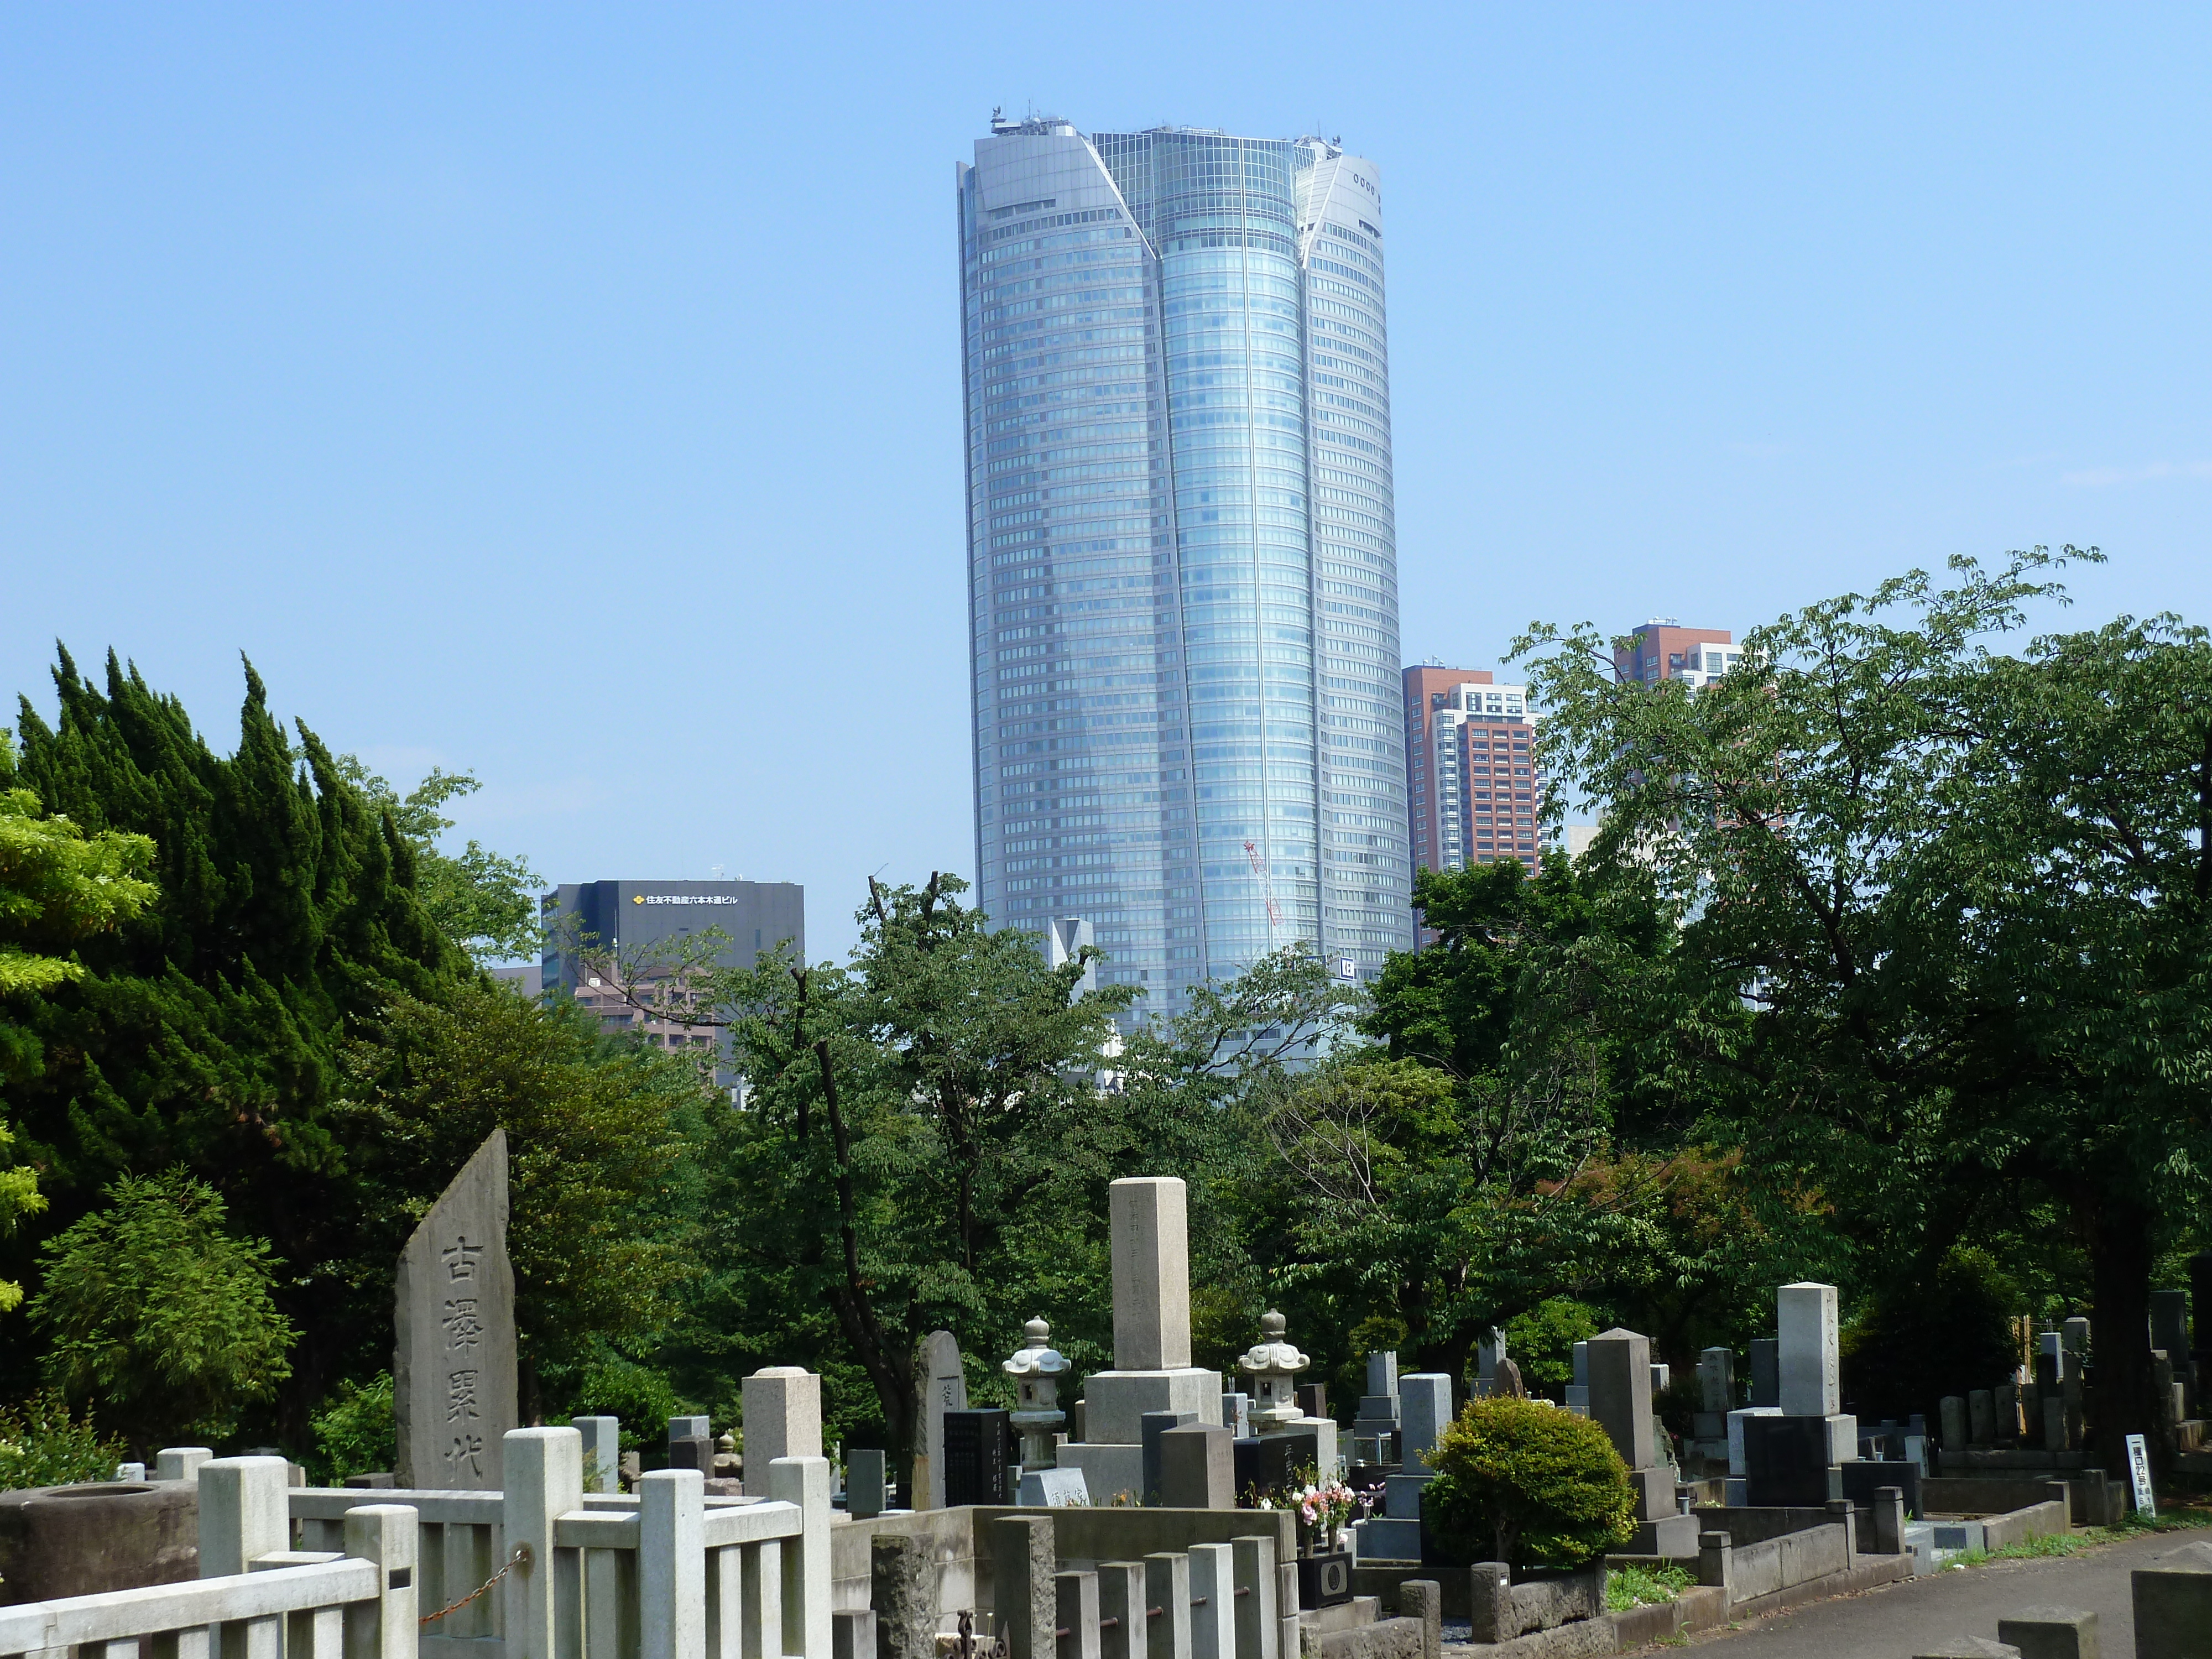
(1944, 911)
(915, 1126)
(58, 886)
(485, 902)
(154, 1310)
(597, 1130)
(204, 1030)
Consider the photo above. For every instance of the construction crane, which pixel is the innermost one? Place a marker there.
(1268, 887)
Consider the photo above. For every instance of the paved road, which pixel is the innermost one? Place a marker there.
(1899, 1621)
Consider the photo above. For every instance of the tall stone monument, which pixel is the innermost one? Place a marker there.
(1620, 1402)
(1153, 1370)
(943, 1385)
(453, 1367)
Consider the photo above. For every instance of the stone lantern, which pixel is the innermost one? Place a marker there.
(1273, 1363)
(1037, 1368)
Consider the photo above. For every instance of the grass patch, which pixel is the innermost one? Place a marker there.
(1644, 1587)
(2089, 1538)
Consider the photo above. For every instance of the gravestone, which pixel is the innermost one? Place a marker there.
(1765, 1372)
(1620, 1403)
(1786, 1463)
(2075, 1333)
(1377, 1419)
(453, 1365)
(944, 1387)
(1981, 1417)
(1620, 1394)
(1508, 1384)
(1578, 1392)
(2169, 1322)
(1717, 1380)
(2200, 1305)
(867, 1488)
(1312, 1399)
(1236, 1414)
(1198, 1467)
(1266, 1462)
(688, 1428)
(975, 1458)
(783, 1419)
(1805, 1329)
(1053, 1489)
(1488, 1351)
(1155, 1424)
(691, 1451)
(1151, 1273)
(1736, 1421)
(1151, 1371)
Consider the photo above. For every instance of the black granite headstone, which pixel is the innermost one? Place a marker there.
(2200, 1303)
(1785, 1461)
(691, 1451)
(1269, 1462)
(1864, 1478)
(1766, 1370)
(1312, 1399)
(975, 1458)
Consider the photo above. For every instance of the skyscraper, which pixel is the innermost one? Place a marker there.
(1182, 568)
(1471, 774)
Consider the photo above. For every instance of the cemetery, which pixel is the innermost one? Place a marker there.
(1161, 1514)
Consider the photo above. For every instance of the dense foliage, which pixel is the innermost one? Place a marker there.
(43, 1445)
(151, 1308)
(1523, 1482)
(1888, 967)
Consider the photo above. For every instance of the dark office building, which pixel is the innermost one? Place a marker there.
(603, 919)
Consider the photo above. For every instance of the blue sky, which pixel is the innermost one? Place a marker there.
(572, 395)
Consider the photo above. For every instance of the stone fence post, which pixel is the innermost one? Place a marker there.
(245, 1512)
(387, 1534)
(671, 1565)
(1167, 1588)
(543, 1469)
(1716, 1564)
(805, 1481)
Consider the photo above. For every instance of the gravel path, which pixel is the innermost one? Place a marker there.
(1898, 1620)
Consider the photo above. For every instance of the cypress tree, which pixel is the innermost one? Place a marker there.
(205, 1032)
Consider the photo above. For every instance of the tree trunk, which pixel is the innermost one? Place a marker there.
(2120, 1261)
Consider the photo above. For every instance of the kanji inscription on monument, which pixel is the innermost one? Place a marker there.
(453, 1382)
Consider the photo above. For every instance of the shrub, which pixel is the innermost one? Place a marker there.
(356, 1433)
(1526, 1483)
(42, 1445)
(155, 1310)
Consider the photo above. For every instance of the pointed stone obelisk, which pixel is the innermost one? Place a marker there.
(453, 1390)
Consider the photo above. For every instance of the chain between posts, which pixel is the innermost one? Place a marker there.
(519, 1559)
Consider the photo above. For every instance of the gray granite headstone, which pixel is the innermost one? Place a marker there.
(453, 1366)
(944, 1386)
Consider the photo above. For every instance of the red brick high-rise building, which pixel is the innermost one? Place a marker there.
(1471, 775)
(1662, 649)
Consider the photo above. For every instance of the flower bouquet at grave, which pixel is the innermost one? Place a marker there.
(1321, 1507)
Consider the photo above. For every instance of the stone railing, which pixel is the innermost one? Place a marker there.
(666, 1572)
(355, 1602)
(537, 1572)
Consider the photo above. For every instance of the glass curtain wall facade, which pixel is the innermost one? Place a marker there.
(1181, 570)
